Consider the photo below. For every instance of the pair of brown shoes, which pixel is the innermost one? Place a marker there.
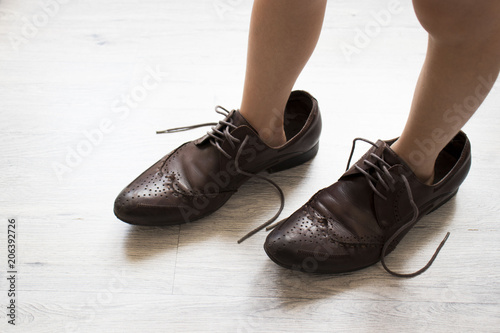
(352, 224)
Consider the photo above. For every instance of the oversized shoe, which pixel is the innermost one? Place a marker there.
(197, 178)
(361, 218)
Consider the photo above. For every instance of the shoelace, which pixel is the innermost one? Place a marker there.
(217, 136)
(388, 184)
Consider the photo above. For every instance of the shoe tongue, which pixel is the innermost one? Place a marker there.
(388, 154)
(383, 150)
(391, 157)
(235, 118)
(238, 120)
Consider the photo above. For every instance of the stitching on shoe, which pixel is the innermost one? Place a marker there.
(395, 206)
(347, 241)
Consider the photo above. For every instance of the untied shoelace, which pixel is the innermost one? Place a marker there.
(217, 136)
(380, 172)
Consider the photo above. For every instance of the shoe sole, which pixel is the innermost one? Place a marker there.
(295, 161)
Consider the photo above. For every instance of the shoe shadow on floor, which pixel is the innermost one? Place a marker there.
(145, 242)
(253, 204)
(411, 254)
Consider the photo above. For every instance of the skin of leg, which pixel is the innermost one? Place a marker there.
(461, 66)
(283, 35)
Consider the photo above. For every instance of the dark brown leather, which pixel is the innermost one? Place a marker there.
(345, 226)
(196, 179)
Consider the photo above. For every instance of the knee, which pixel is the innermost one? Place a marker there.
(458, 22)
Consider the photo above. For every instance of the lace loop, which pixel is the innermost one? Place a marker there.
(217, 135)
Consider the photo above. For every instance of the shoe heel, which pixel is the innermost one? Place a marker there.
(295, 161)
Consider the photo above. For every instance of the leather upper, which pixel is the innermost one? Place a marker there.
(197, 178)
(344, 226)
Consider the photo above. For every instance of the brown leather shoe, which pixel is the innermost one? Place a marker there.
(197, 178)
(359, 219)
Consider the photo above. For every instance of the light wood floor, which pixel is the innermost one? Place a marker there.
(82, 270)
